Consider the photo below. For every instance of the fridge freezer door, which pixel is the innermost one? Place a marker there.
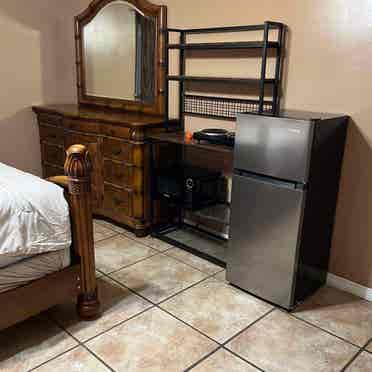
(265, 226)
(273, 146)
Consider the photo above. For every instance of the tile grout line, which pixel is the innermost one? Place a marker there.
(351, 361)
(152, 247)
(149, 245)
(80, 343)
(154, 305)
(250, 325)
(194, 267)
(367, 344)
(243, 359)
(166, 299)
(138, 240)
(157, 306)
(322, 329)
(205, 357)
(98, 358)
(104, 239)
(117, 325)
(134, 263)
(156, 254)
(185, 289)
(222, 345)
(55, 357)
(128, 236)
(190, 326)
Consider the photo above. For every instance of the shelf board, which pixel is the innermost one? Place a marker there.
(179, 138)
(219, 79)
(213, 30)
(224, 29)
(225, 45)
(218, 213)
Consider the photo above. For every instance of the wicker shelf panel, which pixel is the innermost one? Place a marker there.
(219, 107)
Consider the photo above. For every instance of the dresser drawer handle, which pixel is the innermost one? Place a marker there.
(117, 152)
(117, 201)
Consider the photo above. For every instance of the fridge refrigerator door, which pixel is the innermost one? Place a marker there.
(265, 227)
(272, 146)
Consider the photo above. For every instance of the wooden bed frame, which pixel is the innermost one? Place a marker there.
(79, 279)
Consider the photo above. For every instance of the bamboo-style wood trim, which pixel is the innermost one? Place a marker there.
(78, 169)
(61, 181)
(78, 279)
(159, 13)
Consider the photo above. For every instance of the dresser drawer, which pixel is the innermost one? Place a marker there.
(117, 202)
(53, 154)
(50, 119)
(117, 173)
(51, 134)
(116, 149)
(116, 131)
(82, 125)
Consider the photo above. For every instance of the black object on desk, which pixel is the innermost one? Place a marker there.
(190, 187)
(216, 136)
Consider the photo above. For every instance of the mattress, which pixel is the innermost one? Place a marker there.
(34, 216)
(6, 260)
(32, 268)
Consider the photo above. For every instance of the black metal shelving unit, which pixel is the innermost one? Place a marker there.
(219, 107)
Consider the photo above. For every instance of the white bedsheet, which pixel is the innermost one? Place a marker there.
(34, 216)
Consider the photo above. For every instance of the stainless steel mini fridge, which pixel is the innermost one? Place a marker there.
(285, 185)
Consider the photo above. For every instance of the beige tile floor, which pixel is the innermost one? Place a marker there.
(166, 310)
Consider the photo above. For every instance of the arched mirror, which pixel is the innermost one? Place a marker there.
(119, 55)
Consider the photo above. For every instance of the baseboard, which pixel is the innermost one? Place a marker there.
(349, 286)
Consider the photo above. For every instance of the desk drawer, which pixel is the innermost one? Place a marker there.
(117, 202)
(53, 154)
(116, 149)
(51, 134)
(117, 173)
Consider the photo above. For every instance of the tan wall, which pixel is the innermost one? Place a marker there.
(28, 75)
(328, 69)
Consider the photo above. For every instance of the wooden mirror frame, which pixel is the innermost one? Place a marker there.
(159, 13)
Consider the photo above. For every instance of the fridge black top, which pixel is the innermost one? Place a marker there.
(308, 115)
(302, 115)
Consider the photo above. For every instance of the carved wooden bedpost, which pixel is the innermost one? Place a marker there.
(78, 170)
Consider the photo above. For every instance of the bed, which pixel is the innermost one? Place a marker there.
(46, 241)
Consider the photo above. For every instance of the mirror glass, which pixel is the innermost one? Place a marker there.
(119, 51)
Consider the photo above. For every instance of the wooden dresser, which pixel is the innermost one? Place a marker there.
(120, 151)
